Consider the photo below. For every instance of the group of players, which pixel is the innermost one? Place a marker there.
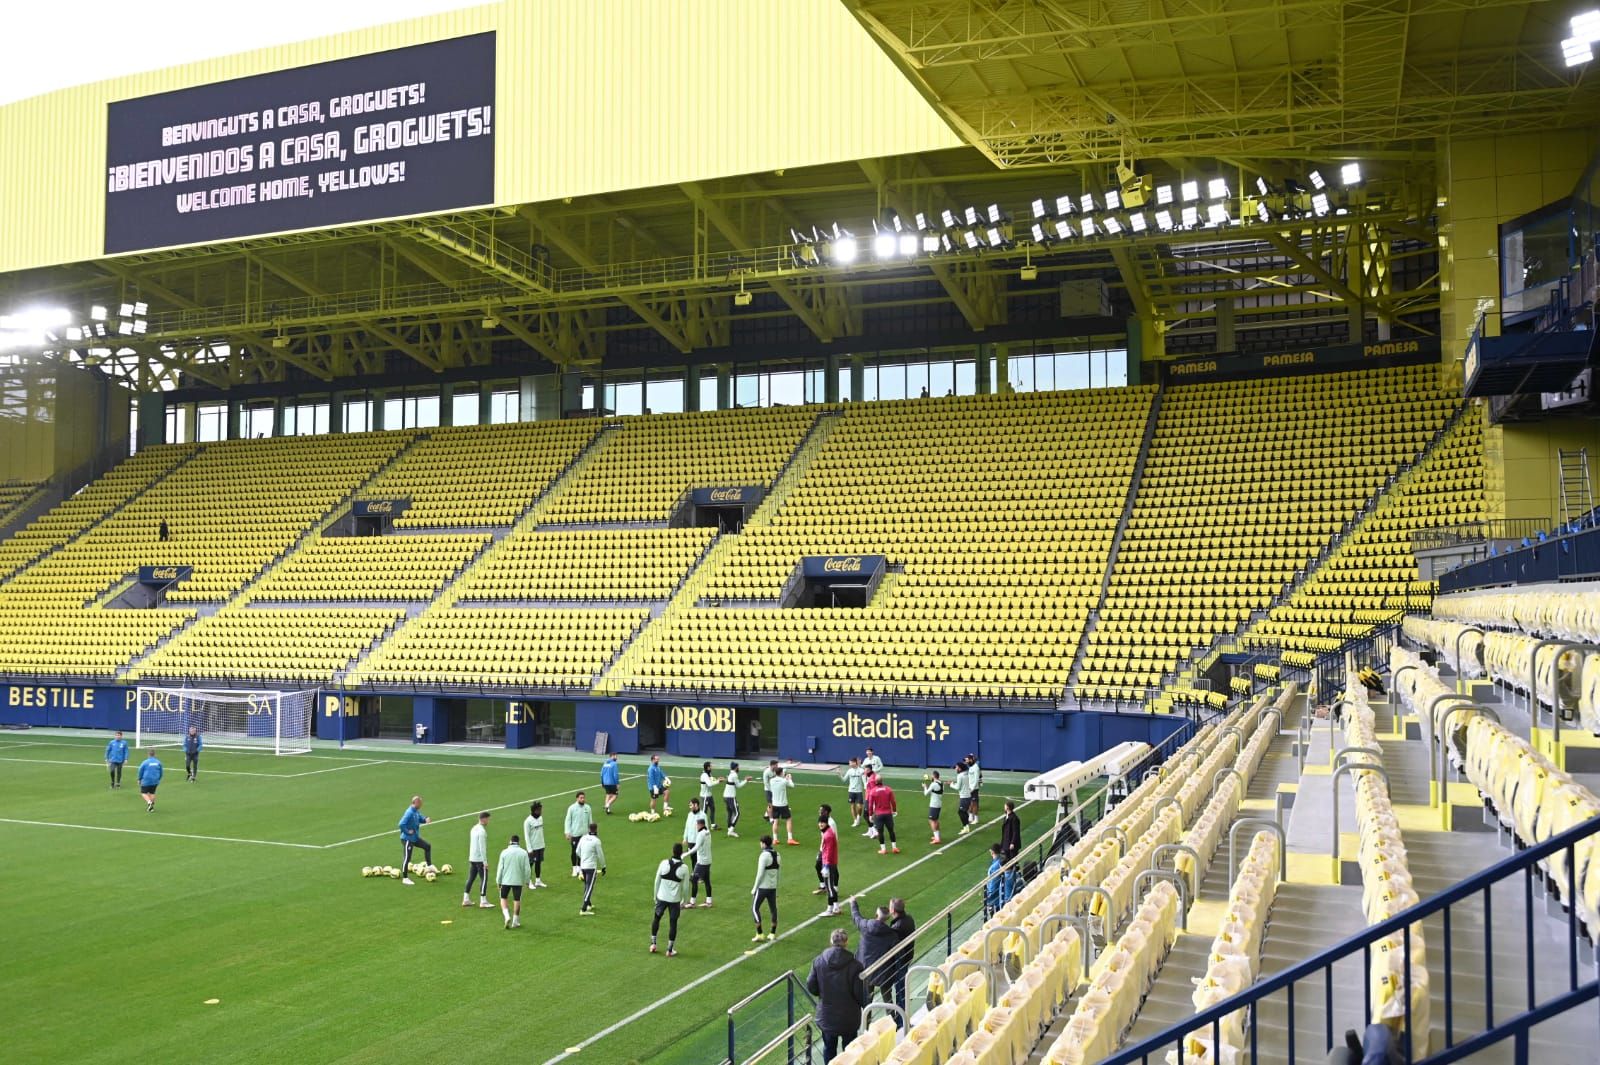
(151, 770)
(680, 876)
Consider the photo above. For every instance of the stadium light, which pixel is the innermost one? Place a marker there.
(97, 313)
(996, 236)
(1579, 48)
(1113, 200)
(1086, 201)
(1191, 191)
(930, 243)
(1164, 220)
(1112, 225)
(1137, 223)
(884, 245)
(843, 249)
(1216, 215)
(1191, 217)
(1163, 194)
(1320, 204)
(1350, 174)
(909, 244)
(1262, 212)
(1087, 226)
(1317, 181)
(1064, 230)
(1262, 186)
(1064, 205)
(1218, 188)
(1039, 209)
(970, 238)
(1038, 233)
(948, 218)
(972, 216)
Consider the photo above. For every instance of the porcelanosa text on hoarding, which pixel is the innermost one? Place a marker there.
(392, 133)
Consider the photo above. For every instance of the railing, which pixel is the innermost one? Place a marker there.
(793, 992)
(1515, 1027)
(1469, 533)
(936, 937)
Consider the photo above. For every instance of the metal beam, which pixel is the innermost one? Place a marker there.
(735, 236)
(386, 335)
(572, 250)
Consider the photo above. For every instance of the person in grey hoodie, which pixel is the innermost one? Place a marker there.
(836, 982)
(877, 939)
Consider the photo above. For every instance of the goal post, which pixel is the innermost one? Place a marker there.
(269, 721)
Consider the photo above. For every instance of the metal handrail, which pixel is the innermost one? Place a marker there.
(1524, 861)
(1172, 877)
(1179, 848)
(1265, 824)
(1339, 771)
(1438, 758)
(895, 954)
(786, 1036)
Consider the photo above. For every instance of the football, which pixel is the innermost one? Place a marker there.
(430, 871)
(430, 876)
(445, 869)
(366, 870)
(666, 782)
(394, 874)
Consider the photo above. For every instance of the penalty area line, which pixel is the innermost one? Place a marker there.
(726, 966)
(150, 832)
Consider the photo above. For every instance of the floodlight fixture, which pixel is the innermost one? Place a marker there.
(1038, 233)
(1191, 191)
(844, 249)
(1086, 201)
(1137, 223)
(996, 236)
(1087, 226)
(1163, 194)
(125, 327)
(1317, 180)
(1112, 225)
(1164, 220)
(922, 221)
(995, 214)
(125, 311)
(1113, 200)
(1039, 208)
(1191, 217)
(1262, 212)
(884, 245)
(141, 309)
(1218, 188)
(930, 243)
(972, 216)
(1262, 186)
(1320, 204)
(1064, 230)
(74, 333)
(1350, 174)
(97, 313)
(1216, 214)
(908, 245)
(970, 238)
(948, 218)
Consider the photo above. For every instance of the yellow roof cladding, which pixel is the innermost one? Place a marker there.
(596, 97)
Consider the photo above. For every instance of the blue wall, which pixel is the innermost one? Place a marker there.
(1028, 740)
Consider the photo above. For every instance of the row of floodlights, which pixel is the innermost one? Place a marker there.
(1579, 48)
(45, 328)
(1137, 206)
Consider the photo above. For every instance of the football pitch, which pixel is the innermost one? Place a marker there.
(245, 888)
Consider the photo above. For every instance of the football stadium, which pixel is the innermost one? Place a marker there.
(1154, 442)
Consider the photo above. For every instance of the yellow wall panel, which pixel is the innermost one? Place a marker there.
(1530, 484)
(592, 97)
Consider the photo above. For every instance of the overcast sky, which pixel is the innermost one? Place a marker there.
(53, 44)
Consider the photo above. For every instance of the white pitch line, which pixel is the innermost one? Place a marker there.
(170, 835)
(686, 988)
(472, 813)
(102, 765)
(332, 769)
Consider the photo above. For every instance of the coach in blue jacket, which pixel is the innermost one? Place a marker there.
(878, 937)
(116, 757)
(149, 779)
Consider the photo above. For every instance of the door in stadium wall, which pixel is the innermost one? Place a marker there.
(652, 727)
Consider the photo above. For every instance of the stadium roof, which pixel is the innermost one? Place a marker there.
(164, 33)
(1047, 98)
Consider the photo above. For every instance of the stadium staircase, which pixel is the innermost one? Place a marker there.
(1093, 620)
(529, 520)
(112, 512)
(691, 590)
(1184, 675)
(26, 508)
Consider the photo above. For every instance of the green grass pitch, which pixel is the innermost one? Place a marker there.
(245, 887)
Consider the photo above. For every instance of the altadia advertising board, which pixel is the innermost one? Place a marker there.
(403, 132)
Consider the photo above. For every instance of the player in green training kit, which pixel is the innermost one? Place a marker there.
(855, 788)
(934, 790)
(765, 889)
(669, 898)
(533, 839)
(591, 863)
(511, 874)
(578, 822)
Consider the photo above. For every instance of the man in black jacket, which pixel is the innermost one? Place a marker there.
(904, 926)
(877, 939)
(836, 981)
(1011, 841)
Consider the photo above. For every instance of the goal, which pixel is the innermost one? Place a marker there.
(274, 721)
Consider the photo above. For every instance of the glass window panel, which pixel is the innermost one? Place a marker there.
(844, 383)
(394, 414)
(708, 391)
(966, 378)
(504, 406)
(426, 414)
(892, 381)
(357, 415)
(1020, 373)
(918, 382)
(747, 390)
(464, 407)
(941, 378)
(664, 397)
(1117, 368)
(629, 397)
(587, 399)
(787, 389)
(1074, 370)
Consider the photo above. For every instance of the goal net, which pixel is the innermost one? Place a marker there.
(279, 722)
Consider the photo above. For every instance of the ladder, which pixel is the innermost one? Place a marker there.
(1577, 498)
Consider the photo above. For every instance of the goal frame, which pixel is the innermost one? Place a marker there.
(147, 698)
